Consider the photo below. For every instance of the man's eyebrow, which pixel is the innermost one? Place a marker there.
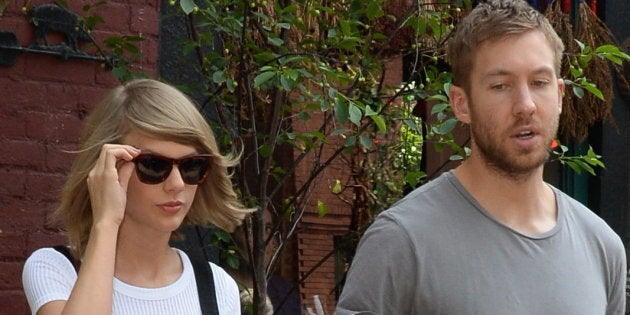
(544, 70)
(504, 72)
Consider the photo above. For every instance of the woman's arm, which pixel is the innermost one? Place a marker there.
(107, 182)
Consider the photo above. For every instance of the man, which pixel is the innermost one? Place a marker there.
(491, 237)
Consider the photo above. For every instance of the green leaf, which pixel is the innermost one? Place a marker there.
(355, 114)
(607, 49)
(339, 131)
(366, 142)
(350, 141)
(285, 26)
(380, 123)
(231, 85)
(264, 150)
(287, 84)
(373, 10)
(232, 261)
(335, 188)
(580, 44)
(437, 108)
(304, 116)
(219, 77)
(276, 41)
(592, 88)
(341, 110)
(578, 91)
(369, 111)
(322, 209)
(446, 127)
(413, 178)
(187, 6)
(438, 97)
(263, 77)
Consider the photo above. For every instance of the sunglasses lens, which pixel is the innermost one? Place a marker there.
(152, 169)
(194, 169)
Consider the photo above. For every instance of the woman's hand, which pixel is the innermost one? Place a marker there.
(107, 183)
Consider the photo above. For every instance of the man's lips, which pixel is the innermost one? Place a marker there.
(526, 132)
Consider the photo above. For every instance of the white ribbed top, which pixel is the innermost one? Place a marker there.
(49, 276)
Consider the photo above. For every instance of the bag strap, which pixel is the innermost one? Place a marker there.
(205, 285)
(66, 252)
(203, 277)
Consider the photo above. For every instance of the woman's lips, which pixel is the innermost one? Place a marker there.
(171, 206)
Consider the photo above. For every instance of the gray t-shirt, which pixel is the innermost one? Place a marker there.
(437, 251)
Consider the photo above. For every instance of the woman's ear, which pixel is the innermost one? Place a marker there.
(459, 102)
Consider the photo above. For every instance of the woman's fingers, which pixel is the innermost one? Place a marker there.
(124, 174)
(108, 180)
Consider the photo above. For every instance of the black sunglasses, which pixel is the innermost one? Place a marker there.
(153, 169)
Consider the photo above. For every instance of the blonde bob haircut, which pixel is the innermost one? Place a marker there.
(160, 111)
(494, 20)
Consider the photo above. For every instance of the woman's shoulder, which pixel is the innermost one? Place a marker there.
(221, 277)
(226, 288)
(49, 256)
(47, 276)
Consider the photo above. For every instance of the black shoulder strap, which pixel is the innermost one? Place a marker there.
(66, 252)
(205, 285)
(203, 276)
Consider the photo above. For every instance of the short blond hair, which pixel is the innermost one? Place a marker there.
(160, 111)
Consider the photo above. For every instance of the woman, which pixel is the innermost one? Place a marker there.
(147, 163)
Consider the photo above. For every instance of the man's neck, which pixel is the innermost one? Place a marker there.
(524, 203)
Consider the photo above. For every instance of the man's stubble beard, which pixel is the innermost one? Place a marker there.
(511, 163)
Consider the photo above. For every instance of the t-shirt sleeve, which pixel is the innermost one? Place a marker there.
(617, 278)
(47, 276)
(384, 264)
(227, 292)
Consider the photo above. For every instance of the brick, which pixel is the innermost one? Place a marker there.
(44, 186)
(11, 275)
(13, 183)
(314, 236)
(116, 15)
(12, 245)
(149, 48)
(316, 253)
(89, 96)
(22, 153)
(104, 77)
(20, 215)
(44, 238)
(144, 20)
(54, 128)
(22, 95)
(13, 302)
(12, 124)
(59, 70)
(59, 157)
(63, 98)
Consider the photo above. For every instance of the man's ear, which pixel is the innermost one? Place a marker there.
(459, 102)
(561, 87)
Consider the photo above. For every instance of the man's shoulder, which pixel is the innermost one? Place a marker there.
(579, 215)
(441, 188)
(428, 204)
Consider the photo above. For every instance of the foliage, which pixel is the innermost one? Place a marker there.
(579, 163)
(578, 63)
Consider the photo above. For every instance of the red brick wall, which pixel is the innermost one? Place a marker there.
(42, 102)
(316, 236)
